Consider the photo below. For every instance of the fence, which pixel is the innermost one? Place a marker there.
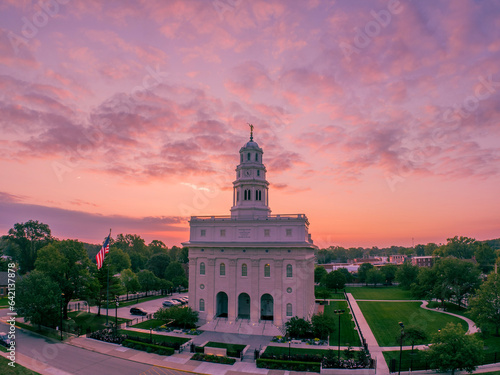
(363, 341)
(135, 321)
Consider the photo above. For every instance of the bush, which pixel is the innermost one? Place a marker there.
(150, 348)
(288, 365)
(107, 335)
(173, 345)
(213, 359)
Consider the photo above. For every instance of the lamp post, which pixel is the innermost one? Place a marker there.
(338, 312)
(116, 315)
(401, 346)
(62, 313)
(289, 342)
(151, 335)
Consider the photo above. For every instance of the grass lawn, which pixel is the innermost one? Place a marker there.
(348, 335)
(18, 370)
(328, 294)
(418, 360)
(134, 301)
(4, 302)
(158, 338)
(94, 322)
(147, 324)
(383, 318)
(52, 333)
(379, 293)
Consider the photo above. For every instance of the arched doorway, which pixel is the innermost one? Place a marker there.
(266, 307)
(243, 306)
(222, 304)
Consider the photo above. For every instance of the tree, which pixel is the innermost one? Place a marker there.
(112, 290)
(426, 285)
(298, 328)
(118, 259)
(66, 263)
(130, 281)
(451, 349)
(429, 248)
(39, 302)
(348, 276)
(460, 247)
(420, 250)
(147, 280)
(485, 305)
(29, 238)
(374, 276)
(406, 275)
(158, 264)
(136, 248)
(334, 280)
(322, 325)
(389, 271)
(158, 247)
(414, 335)
(176, 274)
(363, 270)
(178, 316)
(319, 272)
(485, 256)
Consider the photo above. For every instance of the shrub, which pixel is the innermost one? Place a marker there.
(150, 348)
(213, 358)
(288, 365)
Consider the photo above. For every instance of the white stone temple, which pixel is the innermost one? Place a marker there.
(250, 271)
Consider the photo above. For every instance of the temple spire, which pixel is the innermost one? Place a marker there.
(251, 132)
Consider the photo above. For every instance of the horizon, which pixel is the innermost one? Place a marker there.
(378, 119)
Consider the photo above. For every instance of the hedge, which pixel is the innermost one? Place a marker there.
(276, 364)
(213, 358)
(150, 348)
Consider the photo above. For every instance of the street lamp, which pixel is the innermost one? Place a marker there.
(151, 335)
(62, 311)
(338, 312)
(401, 346)
(289, 342)
(116, 315)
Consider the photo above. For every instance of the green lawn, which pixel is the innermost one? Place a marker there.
(158, 338)
(4, 302)
(134, 301)
(17, 370)
(147, 324)
(383, 318)
(348, 335)
(379, 293)
(48, 332)
(84, 319)
(329, 294)
(450, 307)
(235, 347)
(419, 362)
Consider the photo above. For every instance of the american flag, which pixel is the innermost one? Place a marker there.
(102, 253)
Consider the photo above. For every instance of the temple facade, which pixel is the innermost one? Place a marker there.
(251, 265)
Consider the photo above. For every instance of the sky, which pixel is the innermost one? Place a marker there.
(380, 120)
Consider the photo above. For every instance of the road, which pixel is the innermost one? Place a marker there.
(65, 359)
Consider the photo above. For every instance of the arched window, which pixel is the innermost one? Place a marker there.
(244, 269)
(258, 195)
(202, 268)
(202, 304)
(222, 269)
(248, 156)
(267, 270)
(289, 309)
(256, 157)
(247, 195)
(258, 172)
(289, 270)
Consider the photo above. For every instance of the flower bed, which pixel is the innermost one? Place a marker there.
(289, 365)
(213, 358)
(315, 341)
(150, 348)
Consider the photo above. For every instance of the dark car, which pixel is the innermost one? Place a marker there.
(4, 339)
(180, 300)
(138, 311)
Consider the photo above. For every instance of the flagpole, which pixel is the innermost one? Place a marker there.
(107, 286)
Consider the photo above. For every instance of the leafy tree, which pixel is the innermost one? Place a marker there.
(158, 264)
(426, 285)
(178, 316)
(183, 255)
(460, 247)
(158, 247)
(322, 325)
(414, 335)
(374, 276)
(458, 276)
(389, 271)
(115, 286)
(40, 300)
(165, 285)
(118, 259)
(29, 238)
(485, 256)
(348, 276)
(136, 248)
(130, 281)
(66, 263)
(147, 280)
(406, 275)
(334, 280)
(319, 272)
(420, 250)
(451, 349)
(363, 270)
(176, 274)
(485, 305)
(298, 328)
(429, 248)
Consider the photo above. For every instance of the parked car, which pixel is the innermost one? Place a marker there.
(180, 300)
(138, 311)
(4, 339)
(168, 303)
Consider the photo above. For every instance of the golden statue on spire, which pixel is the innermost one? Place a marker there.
(251, 131)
